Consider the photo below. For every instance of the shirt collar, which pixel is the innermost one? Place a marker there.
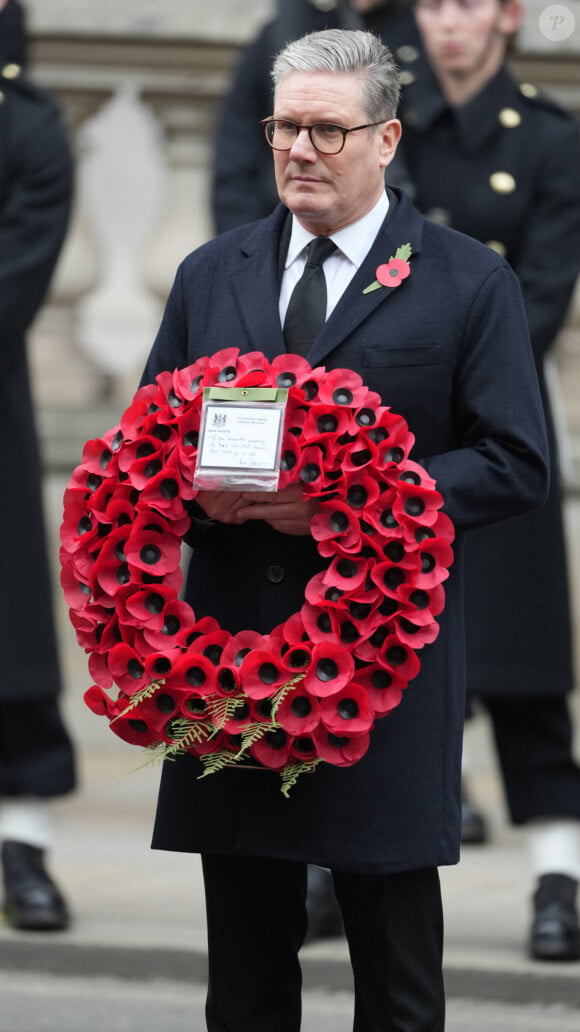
(353, 241)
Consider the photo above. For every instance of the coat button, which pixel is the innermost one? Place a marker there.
(11, 71)
(528, 89)
(497, 246)
(407, 53)
(502, 182)
(275, 574)
(509, 117)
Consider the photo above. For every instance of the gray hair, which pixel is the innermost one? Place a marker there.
(342, 50)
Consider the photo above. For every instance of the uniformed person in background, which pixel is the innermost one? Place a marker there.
(36, 755)
(498, 160)
(243, 186)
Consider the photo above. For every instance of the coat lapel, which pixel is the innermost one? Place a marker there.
(403, 224)
(256, 288)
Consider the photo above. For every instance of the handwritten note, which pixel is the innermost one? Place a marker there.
(240, 437)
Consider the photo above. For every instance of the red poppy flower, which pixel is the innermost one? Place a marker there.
(99, 702)
(79, 527)
(262, 673)
(272, 749)
(340, 750)
(134, 730)
(384, 688)
(227, 680)
(187, 382)
(348, 711)
(127, 669)
(342, 387)
(176, 615)
(392, 273)
(415, 635)
(336, 523)
(151, 547)
(435, 556)
(298, 713)
(319, 623)
(145, 605)
(331, 669)
(348, 574)
(99, 670)
(399, 657)
(238, 646)
(193, 671)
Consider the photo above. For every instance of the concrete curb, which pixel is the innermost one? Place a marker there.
(544, 985)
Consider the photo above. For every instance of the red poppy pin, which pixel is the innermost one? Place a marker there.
(394, 271)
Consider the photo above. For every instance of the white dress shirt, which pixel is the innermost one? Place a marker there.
(353, 244)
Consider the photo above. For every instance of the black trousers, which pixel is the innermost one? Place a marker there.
(36, 753)
(256, 918)
(533, 740)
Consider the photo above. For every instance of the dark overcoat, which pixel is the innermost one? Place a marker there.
(435, 349)
(504, 169)
(35, 196)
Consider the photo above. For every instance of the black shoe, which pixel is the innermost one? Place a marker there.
(555, 933)
(32, 901)
(324, 917)
(473, 823)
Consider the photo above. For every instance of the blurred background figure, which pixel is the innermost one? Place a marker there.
(497, 160)
(243, 185)
(36, 755)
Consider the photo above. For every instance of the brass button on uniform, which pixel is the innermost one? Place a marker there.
(439, 215)
(509, 117)
(11, 71)
(502, 182)
(528, 89)
(407, 53)
(497, 246)
(275, 574)
(406, 78)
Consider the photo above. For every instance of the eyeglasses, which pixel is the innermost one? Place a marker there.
(325, 137)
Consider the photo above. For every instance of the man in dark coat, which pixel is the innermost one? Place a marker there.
(243, 185)
(498, 160)
(448, 349)
(244, 188)
(36, 757)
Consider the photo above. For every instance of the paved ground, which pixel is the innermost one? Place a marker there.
(48, 1004)
(139, 914)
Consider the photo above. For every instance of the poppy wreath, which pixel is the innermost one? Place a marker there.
(311, 690)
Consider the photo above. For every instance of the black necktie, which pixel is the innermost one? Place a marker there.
(307, 309)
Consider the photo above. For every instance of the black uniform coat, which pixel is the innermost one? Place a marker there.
(504, 168)
(35, 194)
(243, 185)
(435, 348)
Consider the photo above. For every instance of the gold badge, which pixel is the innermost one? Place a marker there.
(407, 53)
(528, 89)
(11, 71)
(497, 246)
(509, 117)
(502, 182)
